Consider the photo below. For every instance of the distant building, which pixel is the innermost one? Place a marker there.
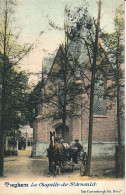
(20, 142)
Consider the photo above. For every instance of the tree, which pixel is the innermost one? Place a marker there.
(114, 43)
(34, 99)
(92, 92)
(114, 56)
(82, 31)
(86, 31)
(17, 87)
(11, 54)
(62, 92)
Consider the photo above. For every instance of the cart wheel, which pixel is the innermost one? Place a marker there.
(85, 159)
(72, 168)
(62, 167)
(83, 165)
(82, 170)
(71, 163)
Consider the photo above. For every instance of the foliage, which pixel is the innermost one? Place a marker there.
(13, 82)
(114, 44)
(16, 96)
(62, 89)
(33, 100)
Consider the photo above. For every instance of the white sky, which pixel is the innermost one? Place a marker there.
(32, 17)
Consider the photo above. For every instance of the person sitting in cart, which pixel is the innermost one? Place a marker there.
(65, 145)
(78, 145)
(79, 148)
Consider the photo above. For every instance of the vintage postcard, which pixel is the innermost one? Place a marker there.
(62, 97)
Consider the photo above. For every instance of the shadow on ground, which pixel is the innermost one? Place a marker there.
(23, 166)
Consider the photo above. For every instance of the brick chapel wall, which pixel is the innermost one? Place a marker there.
(43, 130)
(75, 128)
(122, 121)
(104, 127)
(35, 127)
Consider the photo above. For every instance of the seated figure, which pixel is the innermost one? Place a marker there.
(78, 145)
(79, 148)
(65, 145)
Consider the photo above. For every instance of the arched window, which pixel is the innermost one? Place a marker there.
(99, 95)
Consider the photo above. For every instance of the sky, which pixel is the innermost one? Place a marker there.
(32, 18)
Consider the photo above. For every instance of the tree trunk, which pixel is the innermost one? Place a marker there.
(64, 102)
(3, 122)
(65, 82)
(118, 115)
(3, 99)
(118, 94)
(92, 93)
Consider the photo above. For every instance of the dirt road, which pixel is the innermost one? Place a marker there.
(25, 167)
(24, 175)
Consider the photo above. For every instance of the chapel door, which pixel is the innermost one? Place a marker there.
(64, 135)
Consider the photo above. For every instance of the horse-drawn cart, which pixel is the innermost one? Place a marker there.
(79, 157)
(62, 155)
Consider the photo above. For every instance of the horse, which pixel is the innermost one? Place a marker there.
(55, 153)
